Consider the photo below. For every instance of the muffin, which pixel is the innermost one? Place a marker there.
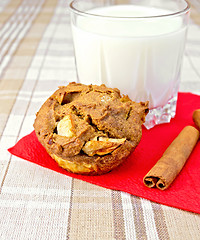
(89, 129)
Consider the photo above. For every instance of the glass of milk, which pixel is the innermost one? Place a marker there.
(134, 45)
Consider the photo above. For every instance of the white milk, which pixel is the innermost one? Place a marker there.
(142, 58)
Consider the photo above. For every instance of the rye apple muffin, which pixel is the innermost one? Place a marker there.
(89, 129)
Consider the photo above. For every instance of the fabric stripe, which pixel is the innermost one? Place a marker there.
(128, 216)
(16, 83)
(181, 224)
(92, 211)
(33, 204)
(36, 213)
(151, 230)
(119, 225)
(8, 11)
(5, 156)
(160, 222)
(33, 191)
(19, 31)
(70, 211)
(9, 124)
(3, 5)
(140, 227)
(12, 23)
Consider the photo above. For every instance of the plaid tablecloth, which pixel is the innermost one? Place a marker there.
(36, 56)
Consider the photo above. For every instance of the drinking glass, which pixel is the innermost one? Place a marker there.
(136, 46)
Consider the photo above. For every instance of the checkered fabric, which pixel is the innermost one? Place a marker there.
(36, 56)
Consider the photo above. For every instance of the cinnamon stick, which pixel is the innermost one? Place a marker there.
(196, 118)
(170, 164)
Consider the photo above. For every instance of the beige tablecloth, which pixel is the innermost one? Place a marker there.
(36, 56)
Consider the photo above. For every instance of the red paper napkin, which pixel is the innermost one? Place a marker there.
(184, 193)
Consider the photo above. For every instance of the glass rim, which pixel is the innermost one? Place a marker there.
(82, 13)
